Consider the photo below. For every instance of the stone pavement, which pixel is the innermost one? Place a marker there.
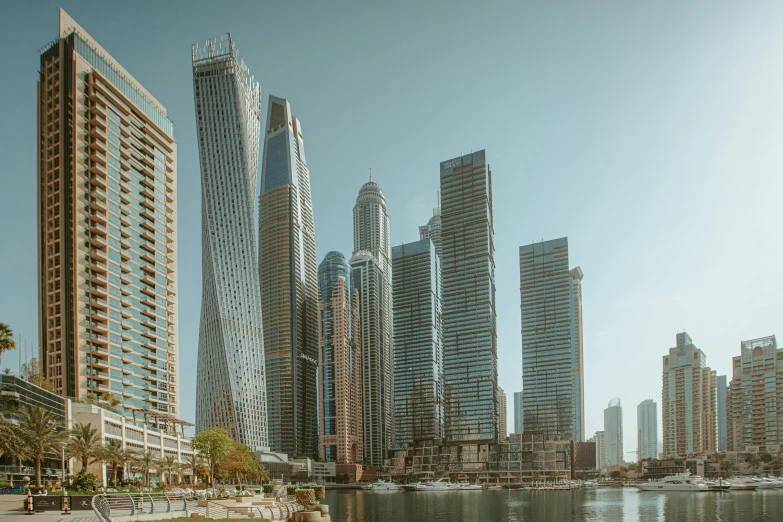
(10, 511)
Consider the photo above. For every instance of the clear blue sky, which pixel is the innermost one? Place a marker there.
(649, 133)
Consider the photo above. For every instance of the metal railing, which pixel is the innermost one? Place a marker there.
(108, 507)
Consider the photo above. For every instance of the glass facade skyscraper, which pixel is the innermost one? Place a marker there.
(230, 387)
(647, 430)
(289, 285)
(340, 363)
(722, 411)
(613, 433)
(519, 413)
(470, 367)
(374, 283)
(552, 352)
(107, 216)
(367, 279)
(418, 343)
(432, 231)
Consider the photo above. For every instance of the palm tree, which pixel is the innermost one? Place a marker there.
(6, 339)
(194, 463)
(262, 475)
(726, 466)
(85, 443)
(166, 464)
(116, 455)
(39, 432)
(146, 461)
(10, 444)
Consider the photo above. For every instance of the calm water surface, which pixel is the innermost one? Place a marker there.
(604, 504)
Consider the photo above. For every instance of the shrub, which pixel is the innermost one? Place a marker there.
(320, 492)
(290, 490)
(268, 488)
(306, 497)
(82, 481)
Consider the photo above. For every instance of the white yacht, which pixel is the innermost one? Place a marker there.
(683, 482)
(383, 485)
(437, 485)
(766, 483)
(466, 486)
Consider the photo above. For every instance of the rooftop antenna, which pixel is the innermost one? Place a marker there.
(439, 199)
(370, 173)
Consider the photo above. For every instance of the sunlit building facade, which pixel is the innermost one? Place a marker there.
(613, 433)
(647, 430)
(374, 283)
(340, 363)
(230, 385)
(552, 339)
(107, 213)
(289, 285)
(470, 367)
(418, 343)
(755, 398)
(689, 401)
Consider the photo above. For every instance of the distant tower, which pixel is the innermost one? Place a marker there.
(340, 363)
(600, 450)
(647, 429)
(418, 343)
(613, 433)
(230, 384)
(432, 231)
(502, 415)
(552, 340)
(519, 416)
(289, 286)
(470, 365)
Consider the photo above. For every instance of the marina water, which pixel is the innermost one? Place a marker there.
(595, 504)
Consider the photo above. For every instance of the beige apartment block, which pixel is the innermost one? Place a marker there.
(689, 401)
(754, 401)
(107, 229)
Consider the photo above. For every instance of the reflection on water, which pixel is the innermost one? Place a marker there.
(604, 504)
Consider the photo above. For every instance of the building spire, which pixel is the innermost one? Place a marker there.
(370, 173)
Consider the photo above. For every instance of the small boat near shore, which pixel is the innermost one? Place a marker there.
(681, 482)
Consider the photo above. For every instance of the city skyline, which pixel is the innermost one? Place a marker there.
(677, 294)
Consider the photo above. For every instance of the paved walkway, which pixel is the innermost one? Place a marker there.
(11, 511)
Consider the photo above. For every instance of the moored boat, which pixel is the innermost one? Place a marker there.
(682, 482)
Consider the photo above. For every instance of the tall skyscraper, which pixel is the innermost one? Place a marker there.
(367, 279)
(519, 413)
(552, 350)
(470, 366)
(647, 430)
(755, 397)
(340, 363)
(722, 408)
(230, 385)
(107, 217)
(289, 287)
(502, 414)
(432, 231)
(613, 433)
(689, 402)
(418, 343)
(600, 450)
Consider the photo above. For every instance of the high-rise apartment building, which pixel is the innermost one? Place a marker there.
(289, 286)
(689, 401)
(755, 398)
(647, 430)
(469, 319)
(613, 433)
(367, 279)
(519, 413)
(722, 408)
(230, 385)
(418, 343)
(107, 214)
(340, 363)
(552, 345)
(600, 450)
(432, 231)
(502, 415)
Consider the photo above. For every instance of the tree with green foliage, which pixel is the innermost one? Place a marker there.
(39, 432)
(195, 464)
(241, 463)
(166, 465)
(753, 460)
(146, 460)
(213, 445)
(726, 466)
(33, 373)
(7, 342)
(85, 443)
(113, 453)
